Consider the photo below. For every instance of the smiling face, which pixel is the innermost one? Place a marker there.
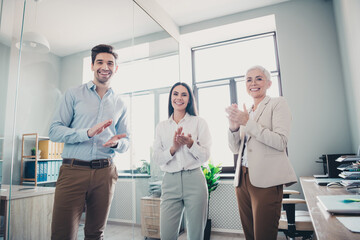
(257, 84)
(179, 98)
(104, 67)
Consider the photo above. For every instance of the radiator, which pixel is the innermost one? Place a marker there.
(123, 207)
(223, 212)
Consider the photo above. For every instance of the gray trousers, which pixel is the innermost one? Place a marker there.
(183, 191)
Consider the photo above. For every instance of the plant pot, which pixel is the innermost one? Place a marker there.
(207, 230)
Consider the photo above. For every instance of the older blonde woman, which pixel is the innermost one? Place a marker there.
(259, 136)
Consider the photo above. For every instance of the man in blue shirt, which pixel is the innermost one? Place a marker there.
(92, 122)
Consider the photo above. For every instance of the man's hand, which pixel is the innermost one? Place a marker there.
(99, 128)
(114, 140)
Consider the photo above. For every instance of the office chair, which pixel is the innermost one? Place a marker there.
(294, 223)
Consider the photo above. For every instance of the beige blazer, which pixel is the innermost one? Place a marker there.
(266, 146)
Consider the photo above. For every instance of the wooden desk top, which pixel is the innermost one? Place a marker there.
(23, 191)
(326, 226)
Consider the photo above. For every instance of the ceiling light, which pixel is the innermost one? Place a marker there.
(34, 42)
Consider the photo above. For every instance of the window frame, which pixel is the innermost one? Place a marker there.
(156, 92)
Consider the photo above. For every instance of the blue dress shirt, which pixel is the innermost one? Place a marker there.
(80, 109)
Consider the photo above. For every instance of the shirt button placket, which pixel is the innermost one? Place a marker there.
(99, 119)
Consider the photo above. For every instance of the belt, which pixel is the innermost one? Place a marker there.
(94, 164)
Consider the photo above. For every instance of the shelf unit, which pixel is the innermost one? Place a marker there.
(27, 158)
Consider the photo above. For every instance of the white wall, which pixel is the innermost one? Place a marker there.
(72, 70)
(312, 79)
(312, 82)
(347, 16)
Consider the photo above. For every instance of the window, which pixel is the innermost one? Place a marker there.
(212, 103)
(163, 105)
(219, 81)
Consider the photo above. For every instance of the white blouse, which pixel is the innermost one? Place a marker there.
(185, 158)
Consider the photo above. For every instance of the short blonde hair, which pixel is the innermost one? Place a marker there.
(261, 68)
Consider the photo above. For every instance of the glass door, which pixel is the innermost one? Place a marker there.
(45, 50)
(11, 19)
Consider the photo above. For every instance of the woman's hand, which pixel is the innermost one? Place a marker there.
(179, 140)
(185, 140)
(176, 145)
(236, 117)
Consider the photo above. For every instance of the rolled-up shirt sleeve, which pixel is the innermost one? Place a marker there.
(59, 129)
(201, 146)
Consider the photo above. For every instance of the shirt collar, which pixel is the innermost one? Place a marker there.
(187, 115)
(91, 86)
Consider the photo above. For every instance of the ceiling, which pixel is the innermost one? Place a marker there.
(186, 12)
(74, 26)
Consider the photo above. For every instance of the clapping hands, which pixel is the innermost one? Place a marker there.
(100, 127)
(236, 116)
(180, 139)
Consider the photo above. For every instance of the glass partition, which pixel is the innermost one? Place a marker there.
(45, 50)
(11, 15)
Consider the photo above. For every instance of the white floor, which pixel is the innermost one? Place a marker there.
(118, 231)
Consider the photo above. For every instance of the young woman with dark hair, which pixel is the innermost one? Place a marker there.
(181, 146)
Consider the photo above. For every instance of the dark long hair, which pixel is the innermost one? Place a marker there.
(191, 107)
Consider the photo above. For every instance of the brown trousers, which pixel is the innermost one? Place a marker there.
(76, 187)
(259, 208)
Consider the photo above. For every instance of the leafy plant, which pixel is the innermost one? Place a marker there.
(145, 167)
(33, 151)
(212, 177)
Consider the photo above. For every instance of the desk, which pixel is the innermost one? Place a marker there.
(326, 226)
(30, 211)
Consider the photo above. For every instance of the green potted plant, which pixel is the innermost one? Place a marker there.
(33, 151)
(145, 167)
(212, 177)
